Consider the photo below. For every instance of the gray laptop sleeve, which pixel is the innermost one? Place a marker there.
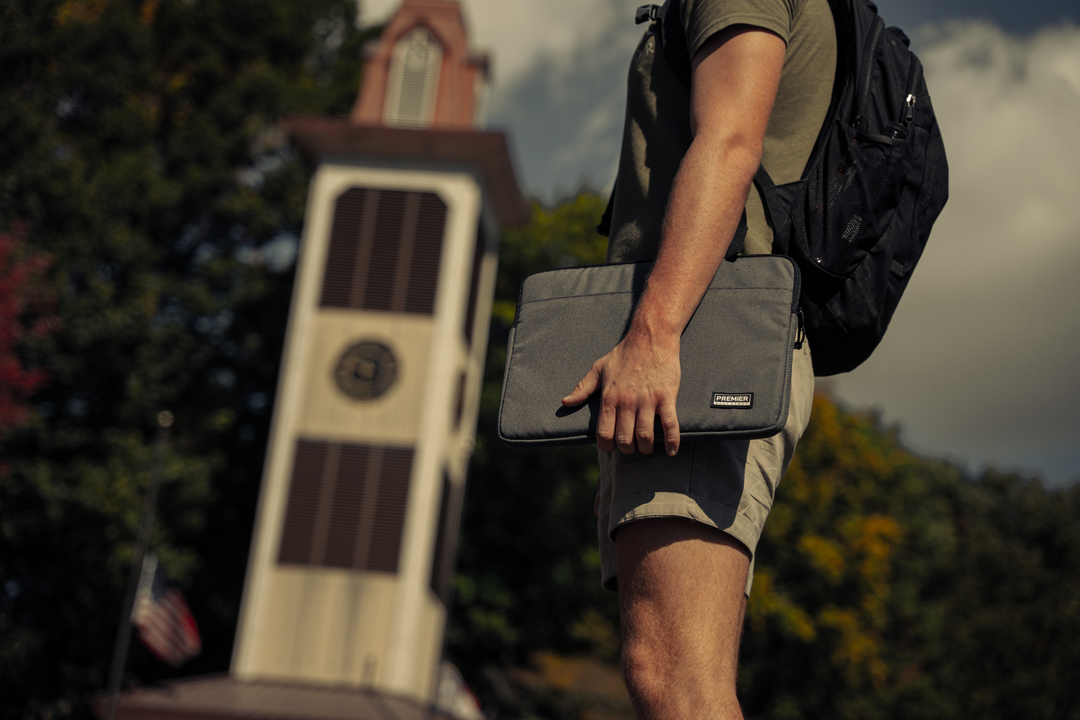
(736, 352)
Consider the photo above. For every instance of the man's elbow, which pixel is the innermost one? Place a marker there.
(737, 153)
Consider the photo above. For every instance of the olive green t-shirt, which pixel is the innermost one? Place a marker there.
(657, 130)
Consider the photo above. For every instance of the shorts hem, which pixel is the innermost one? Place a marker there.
(677, 505)
(692, 507)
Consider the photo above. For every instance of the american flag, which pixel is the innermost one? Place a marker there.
(163, 617)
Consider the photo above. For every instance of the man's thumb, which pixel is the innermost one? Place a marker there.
(584, 389)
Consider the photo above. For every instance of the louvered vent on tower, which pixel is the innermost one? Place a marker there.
(413, 85)
(385, 251)
(346, 506)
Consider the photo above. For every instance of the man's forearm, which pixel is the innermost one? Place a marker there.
(703, 214)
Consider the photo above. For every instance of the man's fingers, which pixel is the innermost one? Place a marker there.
(669, 421)
(583, 389)
(605, 427)
(646, 418)
(624, 431)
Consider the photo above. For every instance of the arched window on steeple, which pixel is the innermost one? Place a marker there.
(414, 80)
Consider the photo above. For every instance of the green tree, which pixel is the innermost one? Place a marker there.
(1011, 627)
(140, 142)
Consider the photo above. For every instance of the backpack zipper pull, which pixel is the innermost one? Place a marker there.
(909, 114)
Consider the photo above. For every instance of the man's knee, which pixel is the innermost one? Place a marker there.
(653, 687)
(643, 665)
(664, 684)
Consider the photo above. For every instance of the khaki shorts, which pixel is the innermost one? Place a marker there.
(728, 484)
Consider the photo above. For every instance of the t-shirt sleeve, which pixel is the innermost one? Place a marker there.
(703, 18)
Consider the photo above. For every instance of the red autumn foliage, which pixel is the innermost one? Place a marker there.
(21, 301)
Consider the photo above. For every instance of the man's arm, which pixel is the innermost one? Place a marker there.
(734, 81)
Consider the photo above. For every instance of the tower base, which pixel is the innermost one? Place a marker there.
(223, 697)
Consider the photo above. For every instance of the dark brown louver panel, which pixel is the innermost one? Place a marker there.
(390, 510)
(346, 506)
(427, 253)
(346, 517)
(385, 251)
(442, 562)
(474, 284)
(297, 535)
(350, 246)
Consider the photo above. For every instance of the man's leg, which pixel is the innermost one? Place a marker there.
(681, 599)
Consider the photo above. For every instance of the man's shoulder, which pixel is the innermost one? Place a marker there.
(703, 18)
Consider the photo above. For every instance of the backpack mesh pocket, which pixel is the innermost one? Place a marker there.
(856, 170)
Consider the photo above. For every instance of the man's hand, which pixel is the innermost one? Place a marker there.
(639, 380)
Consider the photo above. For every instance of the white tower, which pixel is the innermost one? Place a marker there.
(376, 407)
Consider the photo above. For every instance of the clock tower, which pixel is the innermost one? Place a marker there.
(348, 580)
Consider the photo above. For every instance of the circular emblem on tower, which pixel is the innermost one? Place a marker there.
(366, 370)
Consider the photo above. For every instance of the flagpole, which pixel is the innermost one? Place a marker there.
(123, 633)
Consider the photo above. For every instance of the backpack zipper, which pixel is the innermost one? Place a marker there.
(866, 72)
(909, 101)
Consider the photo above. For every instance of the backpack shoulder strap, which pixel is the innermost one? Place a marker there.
(604, 228)
(673, 40)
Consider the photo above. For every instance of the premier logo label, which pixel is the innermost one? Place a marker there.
(732, 400)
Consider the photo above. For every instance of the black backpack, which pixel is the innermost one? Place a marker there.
(857, 221)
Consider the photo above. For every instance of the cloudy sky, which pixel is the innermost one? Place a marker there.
(981, 361)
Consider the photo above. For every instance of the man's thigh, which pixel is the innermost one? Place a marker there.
(681, 573)
(681, 600)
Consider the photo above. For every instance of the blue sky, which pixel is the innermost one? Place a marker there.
(980, 363)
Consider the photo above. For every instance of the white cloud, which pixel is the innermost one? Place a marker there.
(981, 360)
